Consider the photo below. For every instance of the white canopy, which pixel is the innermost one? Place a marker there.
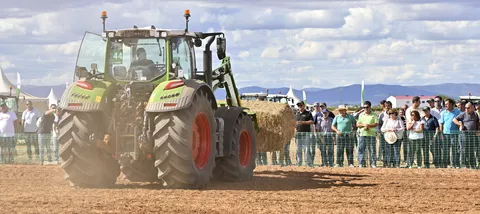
(291, 95)
(52, 98)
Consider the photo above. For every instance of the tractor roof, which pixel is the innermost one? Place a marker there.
(148, 32)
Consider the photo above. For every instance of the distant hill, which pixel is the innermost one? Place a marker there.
(348, 94)
(43, 91)
(374, 93)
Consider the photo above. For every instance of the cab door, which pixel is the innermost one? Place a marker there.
(91, 55)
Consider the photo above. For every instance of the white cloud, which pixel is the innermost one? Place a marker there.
(331, 43)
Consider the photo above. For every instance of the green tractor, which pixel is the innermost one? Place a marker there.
(145, 110)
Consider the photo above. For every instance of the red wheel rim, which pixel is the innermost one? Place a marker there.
(245, 148)
(201, 140)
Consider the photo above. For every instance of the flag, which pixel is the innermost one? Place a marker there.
(363, 93)
(19, 84)
(304, 96)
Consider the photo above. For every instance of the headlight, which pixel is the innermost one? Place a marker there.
(111, 34)
(157, 34)
(163, 34)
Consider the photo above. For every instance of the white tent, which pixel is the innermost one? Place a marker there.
(5, 84)
(52, 98)
(294, 98)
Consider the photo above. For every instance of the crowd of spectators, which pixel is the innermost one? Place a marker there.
(443, 134)
(39, 131)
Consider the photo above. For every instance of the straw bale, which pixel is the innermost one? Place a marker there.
(276, 122)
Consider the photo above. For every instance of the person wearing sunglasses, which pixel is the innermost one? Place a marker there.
(367, 122)
(302, 135)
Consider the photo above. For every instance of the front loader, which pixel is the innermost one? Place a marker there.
(144, 109)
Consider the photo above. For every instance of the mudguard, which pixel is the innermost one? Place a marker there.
(229, 116)
(76, 98)
(178, 98)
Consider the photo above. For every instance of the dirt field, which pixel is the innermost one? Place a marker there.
(41, 189)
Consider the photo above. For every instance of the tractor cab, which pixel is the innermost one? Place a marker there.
(145, 54)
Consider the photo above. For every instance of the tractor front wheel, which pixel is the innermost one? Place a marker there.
(240, 165)
(85, 164)
(185, 145)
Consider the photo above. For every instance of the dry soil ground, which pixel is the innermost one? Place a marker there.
(41, 189)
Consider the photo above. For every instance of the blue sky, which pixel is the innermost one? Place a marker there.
(272, 43)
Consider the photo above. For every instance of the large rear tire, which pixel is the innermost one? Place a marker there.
(239, 166)
(185, 144)
(85, 165)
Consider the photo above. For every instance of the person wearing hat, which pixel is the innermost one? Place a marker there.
(344, 125)
(393, 134)
(302, 134)
(430, 132)
(7, 132)
(323, 106)
(29, 122)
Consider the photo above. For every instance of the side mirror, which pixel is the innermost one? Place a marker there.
(221, 47)
(198, 43)
(81, 72)
(93, 66)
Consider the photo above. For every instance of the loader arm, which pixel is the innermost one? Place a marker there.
(223, 78)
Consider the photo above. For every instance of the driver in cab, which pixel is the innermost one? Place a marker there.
(141, 61)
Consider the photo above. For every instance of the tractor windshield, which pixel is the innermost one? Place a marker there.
(137, 59)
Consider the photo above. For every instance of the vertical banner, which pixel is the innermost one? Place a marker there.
(363, 93)
(304, 97)
(19, 84)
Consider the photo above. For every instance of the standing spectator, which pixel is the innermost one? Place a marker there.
(356, 115)
(408, 115)
(304, 120)
(431, 130)
(344, 125)
(45, 133)
(317, 111)
(55, 131)
(468, 123)
(450, 134)
(437, 110)
(415, 126)
(431, 105)
(392, 150)
(7, 132)
(367, 122)
(323, 131)
(387, 105)
(29, 122)
(404, 142)
(461, 136)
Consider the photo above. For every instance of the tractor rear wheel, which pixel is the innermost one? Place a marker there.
(85, 164)
(240, 165)
(185, 144)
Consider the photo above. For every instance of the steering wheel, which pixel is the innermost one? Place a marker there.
(94, 76)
